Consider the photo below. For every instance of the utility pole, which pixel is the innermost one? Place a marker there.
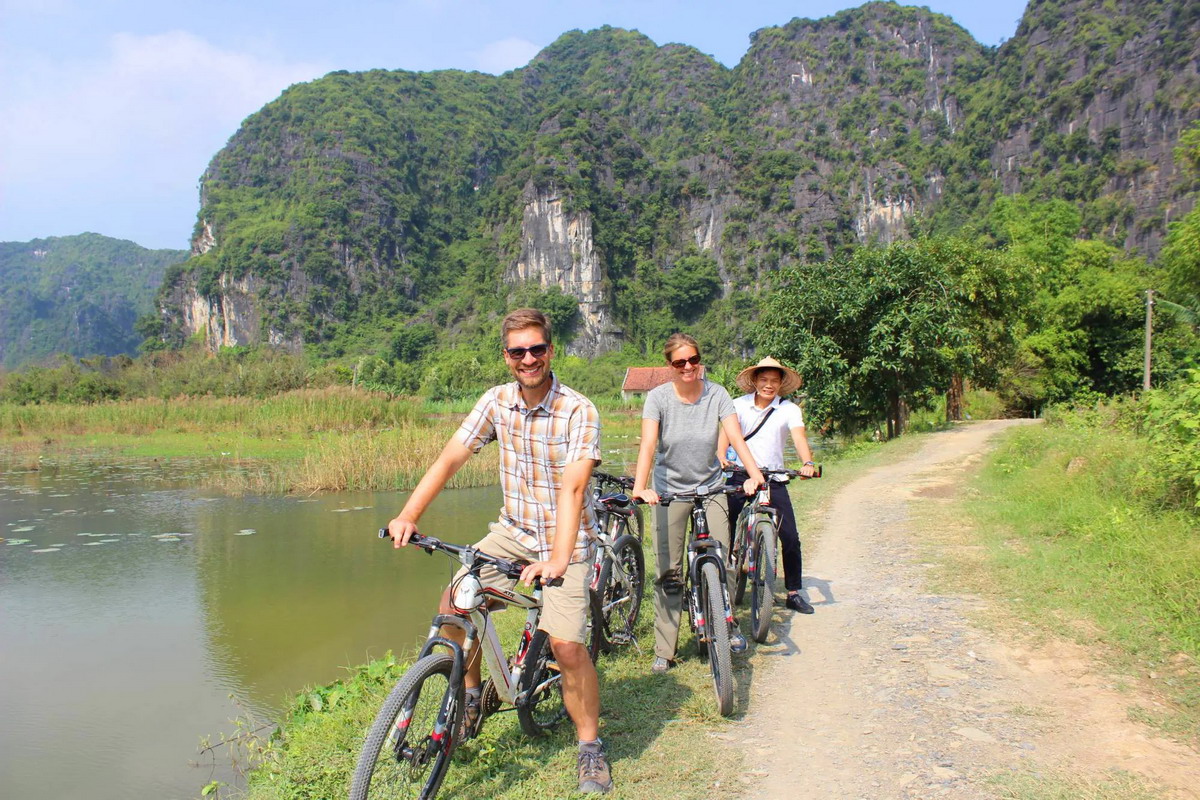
(1149, 335)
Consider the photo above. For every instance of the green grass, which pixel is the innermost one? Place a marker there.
(1075, 543)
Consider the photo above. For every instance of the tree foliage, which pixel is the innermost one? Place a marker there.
(869, 333)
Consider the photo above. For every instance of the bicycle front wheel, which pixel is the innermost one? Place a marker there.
(740, 547)
(408, 748)
(762, 586)
(716, 628)
(637, 523)
(622, 580)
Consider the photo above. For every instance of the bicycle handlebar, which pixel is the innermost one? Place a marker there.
(791, 473)
(670, 497)
(624, 481)
(510, 569)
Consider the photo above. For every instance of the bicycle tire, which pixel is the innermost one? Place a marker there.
(637, 523)
(740, 547)
(621, 596)
(762, 589)
(381, 770)
(543, 708)
(720, 661)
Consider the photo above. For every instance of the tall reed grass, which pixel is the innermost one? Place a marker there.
(299, 411)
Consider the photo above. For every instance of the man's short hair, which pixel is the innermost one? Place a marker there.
(523, 318)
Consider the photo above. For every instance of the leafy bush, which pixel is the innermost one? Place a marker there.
(1171, 422)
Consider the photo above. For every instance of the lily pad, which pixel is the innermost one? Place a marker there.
(46, 550)
(91, 544)
(24, 529)
(169, 539)
(109, 541)
(246, 532)
(17, 541)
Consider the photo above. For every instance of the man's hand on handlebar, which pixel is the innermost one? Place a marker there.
(401, 531)
(750, 486)
(808, 470)
(548, 571)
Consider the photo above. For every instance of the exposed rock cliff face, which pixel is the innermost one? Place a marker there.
(233, 317)
(1106, 91)
(557, 249)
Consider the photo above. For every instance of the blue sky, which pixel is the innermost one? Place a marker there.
(111, 109)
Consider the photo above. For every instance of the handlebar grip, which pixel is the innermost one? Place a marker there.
(416, 538)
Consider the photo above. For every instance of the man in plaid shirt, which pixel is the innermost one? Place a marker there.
(549, 437)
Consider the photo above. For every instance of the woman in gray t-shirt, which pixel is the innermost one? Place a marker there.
(680, 423)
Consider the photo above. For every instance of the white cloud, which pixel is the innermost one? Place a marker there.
(140, 123)
(504, 55)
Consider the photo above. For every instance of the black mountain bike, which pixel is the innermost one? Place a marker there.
(705, 594)
(409, 746)
(752, 552)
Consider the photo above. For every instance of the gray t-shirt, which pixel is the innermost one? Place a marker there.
(687, 437)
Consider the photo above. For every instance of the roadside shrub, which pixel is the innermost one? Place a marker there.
(1170, 421)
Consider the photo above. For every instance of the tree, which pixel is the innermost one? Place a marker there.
(872, 335)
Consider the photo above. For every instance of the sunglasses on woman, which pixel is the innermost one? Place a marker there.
(518, 353)
(679, 363)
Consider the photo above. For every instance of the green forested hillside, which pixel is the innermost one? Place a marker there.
(79, 295)
(655, 188)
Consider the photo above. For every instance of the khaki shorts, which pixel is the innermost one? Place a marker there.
(564, 608)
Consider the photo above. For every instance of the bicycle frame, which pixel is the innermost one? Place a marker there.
(610, 509)
(478, 620)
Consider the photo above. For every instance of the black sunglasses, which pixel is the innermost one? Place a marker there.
(680, 362)
(518, 353)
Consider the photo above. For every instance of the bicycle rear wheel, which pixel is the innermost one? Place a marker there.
(541, 682)
(716, 627)
(408, 748)
(621, 583)
(762, 585)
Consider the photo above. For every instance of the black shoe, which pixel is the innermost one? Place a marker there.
(737, 642)
(797, 603)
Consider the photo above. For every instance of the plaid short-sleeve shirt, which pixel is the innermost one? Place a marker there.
(536, 445)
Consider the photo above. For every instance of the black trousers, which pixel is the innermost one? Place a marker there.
(789, 537)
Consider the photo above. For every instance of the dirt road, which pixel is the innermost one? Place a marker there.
(889, 691)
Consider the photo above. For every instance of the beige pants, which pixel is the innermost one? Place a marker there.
(670, 530)
(564, 608)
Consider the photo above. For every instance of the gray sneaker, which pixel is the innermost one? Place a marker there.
(660, 665)
(594, 774)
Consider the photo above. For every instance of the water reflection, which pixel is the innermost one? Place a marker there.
(150, 604)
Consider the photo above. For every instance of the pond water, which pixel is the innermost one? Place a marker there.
(132, 608)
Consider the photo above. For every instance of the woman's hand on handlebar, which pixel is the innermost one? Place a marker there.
(647, 496)
(401, 531)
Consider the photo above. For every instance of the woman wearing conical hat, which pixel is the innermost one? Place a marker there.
(764, 412)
